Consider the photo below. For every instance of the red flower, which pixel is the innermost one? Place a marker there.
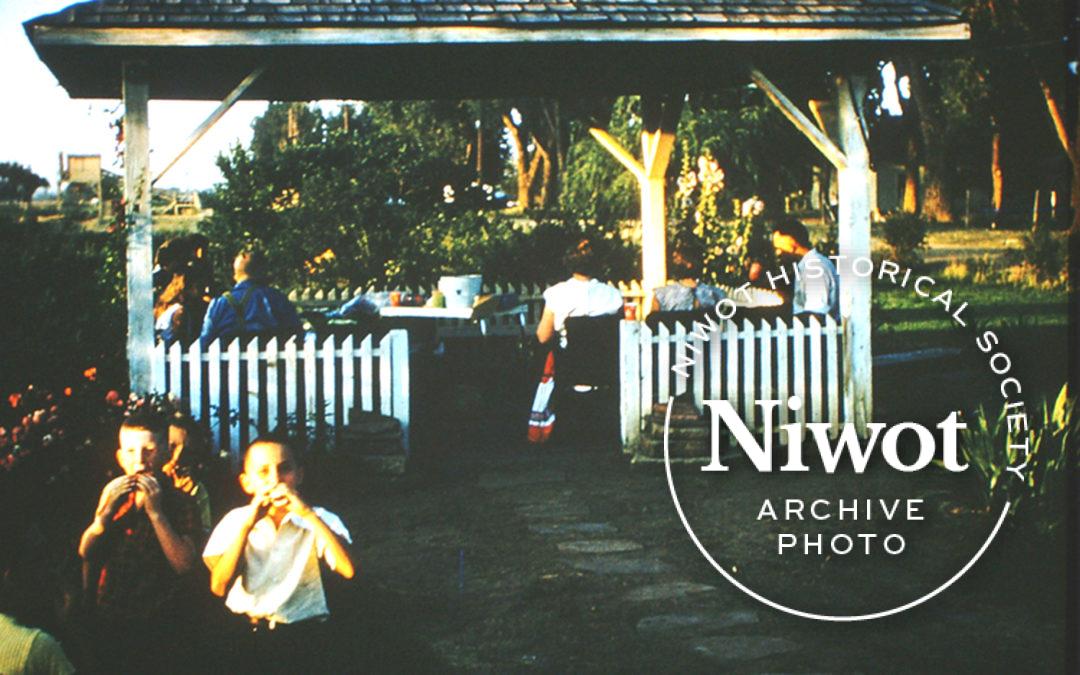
(15, 400)
(67, 391)
(90, 373)
(112, 397)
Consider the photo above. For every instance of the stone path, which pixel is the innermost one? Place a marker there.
(559, 514)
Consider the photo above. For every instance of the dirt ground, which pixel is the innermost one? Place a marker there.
(569, 559)
(491, 555)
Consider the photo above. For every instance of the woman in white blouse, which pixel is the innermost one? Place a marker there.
(580, 295)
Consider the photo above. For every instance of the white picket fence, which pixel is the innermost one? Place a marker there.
(303, 384)
(738, 363)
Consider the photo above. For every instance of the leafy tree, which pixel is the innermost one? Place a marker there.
(332, 204)
(539, 133)
(1020, 47)
(989, 119)
(596, 187)
(19, 183)
(759, 151)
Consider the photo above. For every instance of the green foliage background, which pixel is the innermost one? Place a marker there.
(64, 293)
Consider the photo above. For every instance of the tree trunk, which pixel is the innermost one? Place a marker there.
(546, 191)
(935, 203)
(1074, 198)
(556, 153)
(521, 163)
(997, 174)
(1058, 120)
(539, 159)
(911, 177)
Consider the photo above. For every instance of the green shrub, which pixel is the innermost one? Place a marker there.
(64, 294)
(905, 233)
(1045, 253)
(991, 448)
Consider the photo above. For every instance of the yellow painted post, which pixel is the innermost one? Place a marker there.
(656, 149)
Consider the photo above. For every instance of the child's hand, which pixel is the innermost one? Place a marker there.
(148, 495)
(183, 483)
(112, 497)
(260, 506)
(283, 497)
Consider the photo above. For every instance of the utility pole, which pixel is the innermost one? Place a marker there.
(60, 181)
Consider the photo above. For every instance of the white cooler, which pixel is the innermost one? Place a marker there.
(460, 291)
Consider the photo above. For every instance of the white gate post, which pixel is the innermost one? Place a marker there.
(854, 239)
(630, 384)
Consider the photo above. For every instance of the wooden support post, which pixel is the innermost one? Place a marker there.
(657, 144)
(656, 147)
(854, 240)
(140, 255)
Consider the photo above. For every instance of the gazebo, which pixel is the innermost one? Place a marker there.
(380, 49)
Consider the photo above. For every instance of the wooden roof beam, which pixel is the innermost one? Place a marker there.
(800, 120)
(246, 36)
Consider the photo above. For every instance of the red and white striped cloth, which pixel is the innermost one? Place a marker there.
(541, 418)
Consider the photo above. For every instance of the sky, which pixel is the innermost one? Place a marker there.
(39, 120)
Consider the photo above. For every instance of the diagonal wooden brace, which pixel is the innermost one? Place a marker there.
(822, 142)
(226, 104)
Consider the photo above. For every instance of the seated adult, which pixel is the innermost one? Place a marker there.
(251, 307)
(179, 311)
(685, 292)
(580, 295)
(816, 283)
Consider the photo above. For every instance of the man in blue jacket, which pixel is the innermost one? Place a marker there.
(251, 307)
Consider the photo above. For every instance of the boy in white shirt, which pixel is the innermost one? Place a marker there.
(264, 558)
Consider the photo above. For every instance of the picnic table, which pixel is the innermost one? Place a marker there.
(481, 316)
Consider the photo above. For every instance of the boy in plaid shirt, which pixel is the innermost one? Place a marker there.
(137, 552)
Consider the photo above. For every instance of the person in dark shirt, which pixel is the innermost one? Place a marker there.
(138, 551)
(251, 307)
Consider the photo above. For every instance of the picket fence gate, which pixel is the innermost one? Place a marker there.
(303, 384)
(738, 363)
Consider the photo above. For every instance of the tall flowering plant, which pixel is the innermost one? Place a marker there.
(730, 240)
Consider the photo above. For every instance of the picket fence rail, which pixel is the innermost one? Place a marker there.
(306, 385)
(738, 363)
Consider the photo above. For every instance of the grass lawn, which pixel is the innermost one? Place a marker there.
(1031, 326)
(904, 320)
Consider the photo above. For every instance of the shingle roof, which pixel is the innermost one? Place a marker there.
(370, 49)
(521, 13)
